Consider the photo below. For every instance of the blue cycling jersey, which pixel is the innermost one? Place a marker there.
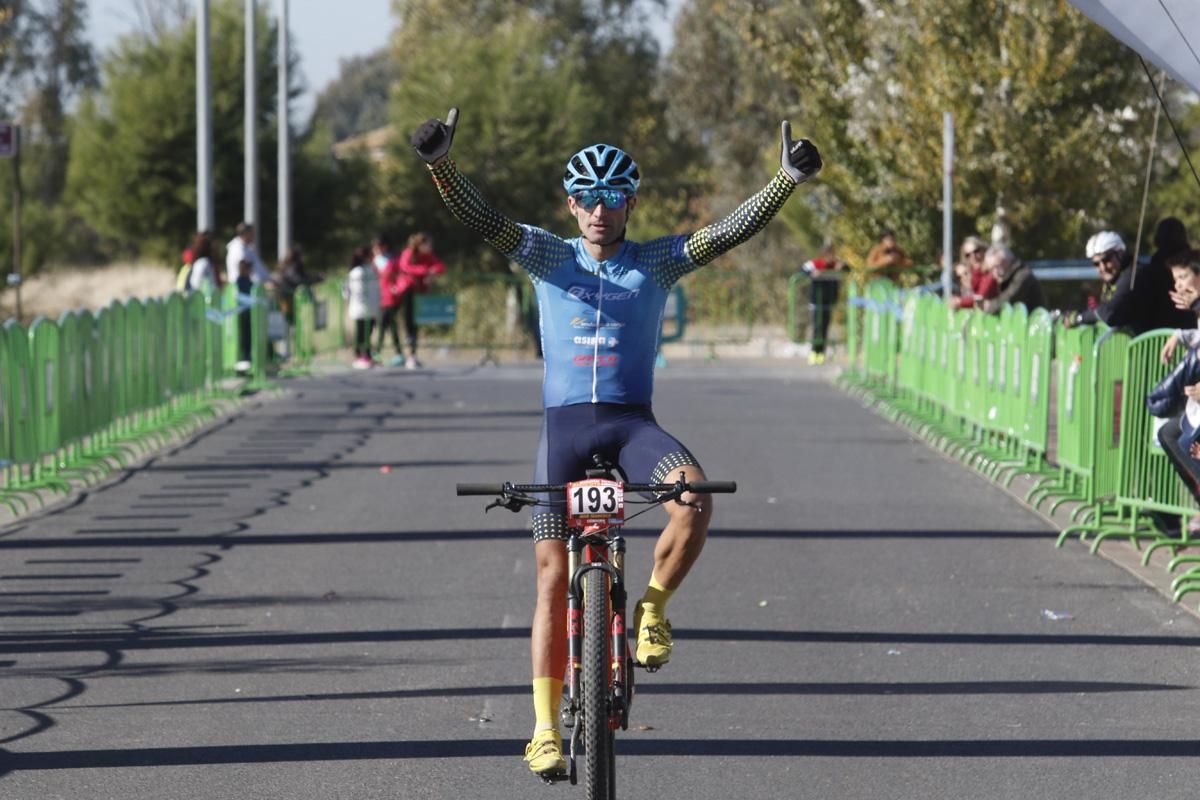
(600, 320)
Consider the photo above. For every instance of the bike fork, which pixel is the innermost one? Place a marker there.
(574, 650)
(622, 676)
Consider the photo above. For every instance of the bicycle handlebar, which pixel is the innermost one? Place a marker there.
(699, 487)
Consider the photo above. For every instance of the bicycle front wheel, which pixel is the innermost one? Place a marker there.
(599, 757)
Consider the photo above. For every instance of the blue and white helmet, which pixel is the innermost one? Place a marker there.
(601, 166)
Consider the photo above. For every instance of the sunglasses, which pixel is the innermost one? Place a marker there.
(590, 198)
(1102, 259)
(969, 253)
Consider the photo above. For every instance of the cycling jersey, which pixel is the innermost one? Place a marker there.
(600, 320)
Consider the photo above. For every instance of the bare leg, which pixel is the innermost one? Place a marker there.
(683, 538)
(548, 640)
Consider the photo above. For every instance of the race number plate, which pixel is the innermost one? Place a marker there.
(595, 498)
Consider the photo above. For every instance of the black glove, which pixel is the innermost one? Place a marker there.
(432, 140)
(800, 160)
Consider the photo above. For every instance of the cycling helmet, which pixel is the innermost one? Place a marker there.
(601, 166)
(1104, 242)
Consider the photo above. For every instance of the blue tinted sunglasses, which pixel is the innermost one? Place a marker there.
(590, 198)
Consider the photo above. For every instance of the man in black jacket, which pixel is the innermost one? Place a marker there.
(1125, 301)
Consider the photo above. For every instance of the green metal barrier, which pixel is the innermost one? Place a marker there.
(90, 389)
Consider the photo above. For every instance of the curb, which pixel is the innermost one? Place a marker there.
(1117, 550)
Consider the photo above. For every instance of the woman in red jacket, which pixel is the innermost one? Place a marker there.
(416, 265)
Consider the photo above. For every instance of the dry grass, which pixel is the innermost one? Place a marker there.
(52, 293)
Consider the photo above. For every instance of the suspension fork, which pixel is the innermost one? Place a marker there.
(619, 648)
(577, 569)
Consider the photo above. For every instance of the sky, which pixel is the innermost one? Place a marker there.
(323, 33)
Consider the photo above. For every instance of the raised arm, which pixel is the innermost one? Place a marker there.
(432, 142)
(799, 161)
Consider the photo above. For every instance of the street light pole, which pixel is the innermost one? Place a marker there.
(285, 174)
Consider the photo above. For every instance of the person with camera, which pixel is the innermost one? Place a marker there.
(886, 259)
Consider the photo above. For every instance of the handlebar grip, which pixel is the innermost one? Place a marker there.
(467, 489)
(713, 487)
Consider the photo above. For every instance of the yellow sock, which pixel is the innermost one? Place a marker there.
(656, 596)
(547, 693)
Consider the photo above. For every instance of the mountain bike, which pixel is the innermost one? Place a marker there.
(599, 662)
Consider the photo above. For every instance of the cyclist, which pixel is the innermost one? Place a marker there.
(601, 300)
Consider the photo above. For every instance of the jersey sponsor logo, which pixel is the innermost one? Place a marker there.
(592, 294)
(589, 323)
(603, 341)
(600, 361)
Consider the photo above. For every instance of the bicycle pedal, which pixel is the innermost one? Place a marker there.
(551, 776)
(648, 667)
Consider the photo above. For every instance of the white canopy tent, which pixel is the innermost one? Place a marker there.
(1164, 32)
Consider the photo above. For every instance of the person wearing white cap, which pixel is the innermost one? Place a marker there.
(1124, 302)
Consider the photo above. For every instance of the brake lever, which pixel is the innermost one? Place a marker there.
(513, 502)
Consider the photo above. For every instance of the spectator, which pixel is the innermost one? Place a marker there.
(823, 296)
(361, 291)
(241, 248)
(1185, 275)
(981, 283)
(204, 275)
(292, 275)
(887, 260)
(1176, 397)
(1170, 242)
(388, 268)
(1124, 302)
(245, 301)
(1015, 281)
(417, 265)
(185, 271)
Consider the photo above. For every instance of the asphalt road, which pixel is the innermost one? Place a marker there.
(269, 613)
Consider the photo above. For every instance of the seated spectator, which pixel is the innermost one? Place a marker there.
(1124, 301)
(1185, 296)
(982, 285)
(887, 260)
(1015, 281)
(1177, 400)
(1171, 244)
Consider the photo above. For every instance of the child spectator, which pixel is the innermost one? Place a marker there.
(1176, 397)
(245, 300)
(362, 295)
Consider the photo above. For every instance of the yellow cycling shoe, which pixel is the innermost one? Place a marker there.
(653, 637)
(545, 757)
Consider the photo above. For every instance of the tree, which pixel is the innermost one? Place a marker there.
(1048, 107)
(357, 101)
(535, 83)
(45, 61)
(132, 174)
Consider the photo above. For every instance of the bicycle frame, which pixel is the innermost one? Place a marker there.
(595, 550)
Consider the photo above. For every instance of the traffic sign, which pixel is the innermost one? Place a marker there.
(8, 140)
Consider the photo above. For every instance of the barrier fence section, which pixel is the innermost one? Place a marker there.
(980, 387)
(93, 389)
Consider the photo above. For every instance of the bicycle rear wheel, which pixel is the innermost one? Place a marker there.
(599, 764)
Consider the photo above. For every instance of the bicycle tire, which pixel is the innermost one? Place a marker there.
(597, 735)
